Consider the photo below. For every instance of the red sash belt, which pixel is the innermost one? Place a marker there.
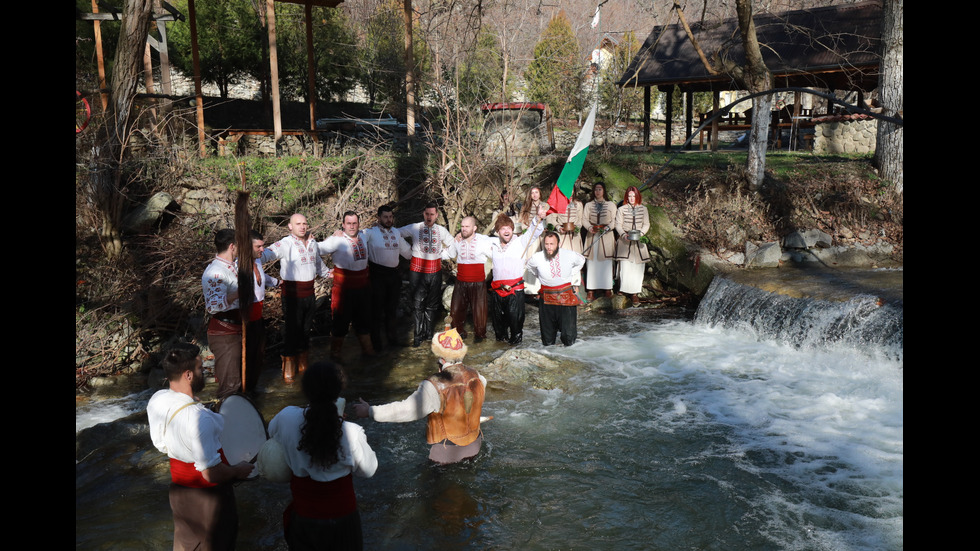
(314, 499)
(424, 266)
(255, 313)
(598, 227)
(221, 327)
(561, 295)
(471, 273)
(346, 279)
(185, 474)
(297, 289)
(516, 284)
(350, 279)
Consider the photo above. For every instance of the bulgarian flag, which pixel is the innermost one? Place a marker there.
(560, 195)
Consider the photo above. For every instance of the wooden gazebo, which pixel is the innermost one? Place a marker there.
(828, 48)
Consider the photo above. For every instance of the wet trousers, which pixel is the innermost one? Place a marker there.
(507, 316)
(470, 296)
(426, 290)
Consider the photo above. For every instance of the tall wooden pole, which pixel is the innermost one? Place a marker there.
(270, 9)
(409, 73)
(310, 65)
(196, 57)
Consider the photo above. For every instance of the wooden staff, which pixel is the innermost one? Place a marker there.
(246, 267)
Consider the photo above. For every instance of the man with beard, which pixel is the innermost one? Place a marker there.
(299, 266)
(429, 240)
(556, 267)
(507, 285)
(350, 300)
(471, 251)
(201, 494)
(384, 247)
(220, 285)
(255, 326)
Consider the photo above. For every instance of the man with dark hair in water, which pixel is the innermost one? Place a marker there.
(201, 494)
(220, 285)
(506, 302)
(350, 300)
(385, 247)
(556, 267)
(429, 240)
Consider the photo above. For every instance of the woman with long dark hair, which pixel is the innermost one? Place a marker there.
(524, 222)
(323, 452)
(598, 217)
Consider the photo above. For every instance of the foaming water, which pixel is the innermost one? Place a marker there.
(805, 445)
(847, 309)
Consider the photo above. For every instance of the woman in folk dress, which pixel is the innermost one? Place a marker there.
(632, 254)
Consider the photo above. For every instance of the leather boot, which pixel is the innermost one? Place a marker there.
(367, 348)
(336, 346)
(304, 360)
(590, 296)
(288, 369)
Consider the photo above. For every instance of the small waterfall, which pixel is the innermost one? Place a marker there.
(861, 319)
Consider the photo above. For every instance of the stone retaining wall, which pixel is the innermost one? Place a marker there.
(845, 134)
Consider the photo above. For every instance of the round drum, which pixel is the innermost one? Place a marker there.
(244, 431)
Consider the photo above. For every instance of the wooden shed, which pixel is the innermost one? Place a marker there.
(825, 48)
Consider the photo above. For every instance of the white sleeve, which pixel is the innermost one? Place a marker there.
(365, 460)
(422, 402)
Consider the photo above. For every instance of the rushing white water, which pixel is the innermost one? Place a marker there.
(817, 431)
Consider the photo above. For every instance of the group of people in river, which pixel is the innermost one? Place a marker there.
(320, 450)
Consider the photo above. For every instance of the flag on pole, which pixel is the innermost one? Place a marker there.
(565, 186)
(595, 20)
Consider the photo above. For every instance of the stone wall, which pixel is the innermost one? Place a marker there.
(845, 134)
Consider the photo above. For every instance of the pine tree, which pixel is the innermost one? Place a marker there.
(555, 74)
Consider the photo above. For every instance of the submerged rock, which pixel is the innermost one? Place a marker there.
(522, 367)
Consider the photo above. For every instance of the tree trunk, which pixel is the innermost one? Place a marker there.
(889, 145)
(757, 78)
(107, 155)
(409, 73)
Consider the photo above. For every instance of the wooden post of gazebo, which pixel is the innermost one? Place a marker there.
(198, 95)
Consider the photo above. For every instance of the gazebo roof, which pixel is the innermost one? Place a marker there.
(833, 47)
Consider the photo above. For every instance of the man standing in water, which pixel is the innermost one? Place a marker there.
(451, 399)
(470, 292)
(425, 278)
(507, 287)
(556, 267)
(384, 247)
(220, 285)
(300, 264)
(255, 326)
(201, 494)
(350, 300)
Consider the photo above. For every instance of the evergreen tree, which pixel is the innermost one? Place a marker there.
(335, 52)
(555, 74)
(383, 55)
(480, 74)
(621, 103)
(229, 42)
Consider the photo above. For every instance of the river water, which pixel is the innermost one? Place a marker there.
(714, 432)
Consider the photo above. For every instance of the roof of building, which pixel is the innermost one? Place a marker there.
(834, 47)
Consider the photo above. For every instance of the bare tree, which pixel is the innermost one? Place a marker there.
(889, 145)
(105, 178)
